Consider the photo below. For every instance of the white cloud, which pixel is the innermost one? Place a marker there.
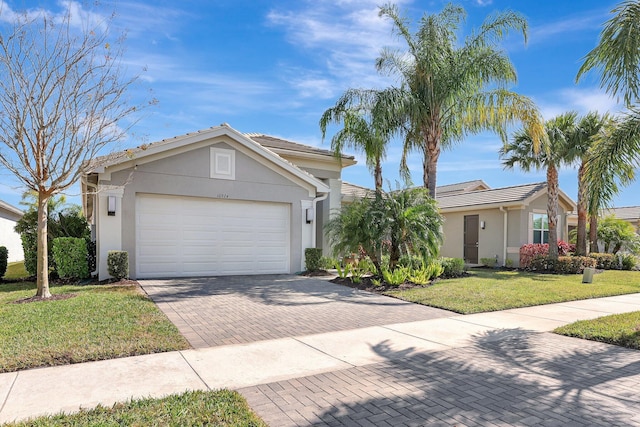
(581, 100)
(578, 22)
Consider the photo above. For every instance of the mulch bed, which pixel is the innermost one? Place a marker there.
(54, 297)
(367, 285)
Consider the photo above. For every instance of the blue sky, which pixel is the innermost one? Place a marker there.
(274, 66)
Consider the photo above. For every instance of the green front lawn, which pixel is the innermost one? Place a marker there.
(195, 408)
(15, 270)
(618, 329)
(100, 322)
(491, 290)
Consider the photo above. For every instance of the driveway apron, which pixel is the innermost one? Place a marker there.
(216, 311)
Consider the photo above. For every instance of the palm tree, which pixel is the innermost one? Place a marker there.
(617, 59)
(578, 150)
(443, 95)
(617, 55)
(358, 132)
(520, 151)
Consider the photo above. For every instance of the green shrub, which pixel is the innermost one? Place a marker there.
(508, 263)
(452, 267)
(604, 261)
(91, 255)
(366, 265)
(343, 272)
(629, 262)
(573, 264)
(426, 273)
(489, 262)
(312, 258)
(4, 260)
(396, 277)
(327, 262)
(118, 264)
(30, 250)
(70, 256)
(411, 261)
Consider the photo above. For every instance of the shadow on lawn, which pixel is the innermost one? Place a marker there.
(510, 377)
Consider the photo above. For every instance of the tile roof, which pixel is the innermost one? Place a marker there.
(279, 143)
(461, 186)
(269, 142)
(518, 193)
(627, 212)
(352, 191)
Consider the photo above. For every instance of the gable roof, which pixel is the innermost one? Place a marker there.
(459, 187)
(517, 195)
(99, 164)
(10, 208)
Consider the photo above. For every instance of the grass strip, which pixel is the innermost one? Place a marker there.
(618, 329)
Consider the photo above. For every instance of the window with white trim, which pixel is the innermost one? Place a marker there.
(540, 228)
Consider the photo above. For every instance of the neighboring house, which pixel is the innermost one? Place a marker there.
(630, 214)
(495, 223)
(9, 215)
(212, 202)
(481, 222)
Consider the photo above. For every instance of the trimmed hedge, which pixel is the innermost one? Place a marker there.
(564, 265)
(118, 264)
(312, 257)
(70, 256)
(605, 261)
(4, 260)
(453, 267)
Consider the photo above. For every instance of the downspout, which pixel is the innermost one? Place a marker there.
(315, 216)
(504, 235)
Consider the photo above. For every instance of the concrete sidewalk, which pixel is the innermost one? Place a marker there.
(67, 388)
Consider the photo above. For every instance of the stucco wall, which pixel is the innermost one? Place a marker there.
(187, 174)
(491, 239)
(9, 238)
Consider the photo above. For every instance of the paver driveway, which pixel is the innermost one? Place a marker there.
(215, 311)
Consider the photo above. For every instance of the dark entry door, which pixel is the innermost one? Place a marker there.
(471, 225)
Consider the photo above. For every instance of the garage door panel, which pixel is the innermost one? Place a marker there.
(185, 236)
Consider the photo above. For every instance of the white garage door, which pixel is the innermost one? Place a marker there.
(189, 236)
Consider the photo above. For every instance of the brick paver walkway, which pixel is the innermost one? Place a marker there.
(531, 379)
(217, 311)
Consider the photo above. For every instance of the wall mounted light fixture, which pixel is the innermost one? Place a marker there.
(309, 215)
(111, 205)
(482, 224)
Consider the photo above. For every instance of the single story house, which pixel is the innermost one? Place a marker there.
(9, 216)
(212, 202)
(495, 222)
(481, 222)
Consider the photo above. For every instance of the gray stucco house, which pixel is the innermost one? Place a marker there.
(212, 202)
(9, 215)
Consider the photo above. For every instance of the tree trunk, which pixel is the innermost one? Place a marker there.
(593, 234)
(377, 174)
(552, 210)
(43, 255)
(425, 169)
(581, 239)
(431, 160)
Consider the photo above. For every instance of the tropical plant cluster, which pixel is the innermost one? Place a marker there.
(395, 236)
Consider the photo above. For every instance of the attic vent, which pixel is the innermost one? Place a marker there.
(223, 163)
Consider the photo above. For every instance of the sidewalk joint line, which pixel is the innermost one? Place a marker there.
(194, 371)
(387, 327)
(323, 352)
(4, 402)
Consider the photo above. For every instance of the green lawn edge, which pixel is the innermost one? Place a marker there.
(617, 329)
(190, 409)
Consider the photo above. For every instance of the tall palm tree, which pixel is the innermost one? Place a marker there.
(579, 148)
(443, 94)
(520, 151)
(617, 59)
(362, 131)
